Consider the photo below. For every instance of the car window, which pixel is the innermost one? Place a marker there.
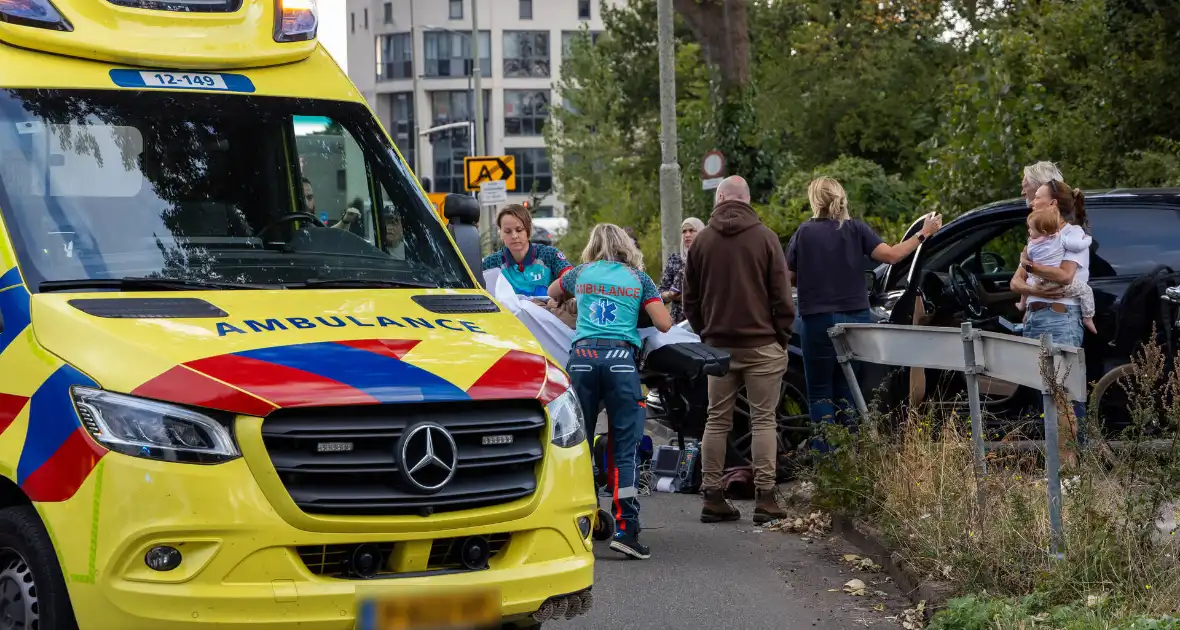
(1131, 240)
(987, 249)
(110, 184)
(1001, 253)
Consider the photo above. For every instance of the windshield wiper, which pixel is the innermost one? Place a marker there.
(361, 284)
(145, 284)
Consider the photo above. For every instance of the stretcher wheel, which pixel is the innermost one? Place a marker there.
(604, 525)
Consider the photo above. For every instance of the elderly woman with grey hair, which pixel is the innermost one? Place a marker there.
(1037, 175)
(674, 269)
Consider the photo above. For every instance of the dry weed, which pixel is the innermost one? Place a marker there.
(920, 489)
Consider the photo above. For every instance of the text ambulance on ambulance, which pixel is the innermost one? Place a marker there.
(230, 394)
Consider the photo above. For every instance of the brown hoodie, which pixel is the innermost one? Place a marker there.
(736, 292)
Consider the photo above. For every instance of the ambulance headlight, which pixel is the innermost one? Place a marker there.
(153, 430)
(295, 20)
(565, 416)
(35, 13)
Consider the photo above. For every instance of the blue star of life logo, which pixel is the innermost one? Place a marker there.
(602, 312)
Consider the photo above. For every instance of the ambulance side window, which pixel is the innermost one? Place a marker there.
(335, 178)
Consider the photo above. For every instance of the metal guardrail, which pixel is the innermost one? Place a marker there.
(975, 353)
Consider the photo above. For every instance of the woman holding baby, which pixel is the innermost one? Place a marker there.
(1054, 273)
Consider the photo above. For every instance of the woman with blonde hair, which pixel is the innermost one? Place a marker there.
(826, 262)
(674, 269)
(610, 289)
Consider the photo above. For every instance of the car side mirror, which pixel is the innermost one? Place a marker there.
(462, 214)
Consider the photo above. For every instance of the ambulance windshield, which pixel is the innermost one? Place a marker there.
(224, 189)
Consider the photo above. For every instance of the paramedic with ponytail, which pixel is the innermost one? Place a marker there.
(528, 267)
(611, 289)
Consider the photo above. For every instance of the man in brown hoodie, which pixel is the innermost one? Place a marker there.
(737, 298)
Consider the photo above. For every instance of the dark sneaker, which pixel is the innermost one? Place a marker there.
(766, 507)
(717, 509)
(628, 544)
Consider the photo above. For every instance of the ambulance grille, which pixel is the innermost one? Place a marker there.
(182, 6)
(344, 461)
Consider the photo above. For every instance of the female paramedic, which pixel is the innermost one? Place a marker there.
(529, 268)
(610, 289)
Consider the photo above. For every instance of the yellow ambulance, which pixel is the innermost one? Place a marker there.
(247, 377)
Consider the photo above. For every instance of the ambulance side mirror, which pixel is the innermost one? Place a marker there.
(462, 213)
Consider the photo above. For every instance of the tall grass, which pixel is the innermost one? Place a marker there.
(918, 486)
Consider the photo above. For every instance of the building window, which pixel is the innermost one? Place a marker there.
(583, 9)
(395, 57)
(401, 125)
(456, 9)
(567, 40)
(532, 168)
(525, 112)
(389, 13)
(352, 21)
(451, 146)
(526, 53)
(448, 53)
(366, 19)
(526, 9)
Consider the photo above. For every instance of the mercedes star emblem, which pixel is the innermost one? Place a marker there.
(427, 457)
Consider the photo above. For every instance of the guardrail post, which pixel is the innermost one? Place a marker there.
(844, 356)
(1052, 455)
(971, 374)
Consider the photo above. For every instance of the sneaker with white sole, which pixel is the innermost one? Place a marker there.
(628, 544)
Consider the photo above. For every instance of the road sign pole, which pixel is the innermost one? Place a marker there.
(477, 74)
(670, 202)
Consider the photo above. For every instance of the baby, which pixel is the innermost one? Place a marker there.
(1047, 244)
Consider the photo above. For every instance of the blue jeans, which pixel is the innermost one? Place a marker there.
(604, 373)
(1064, 329)
(828, 394)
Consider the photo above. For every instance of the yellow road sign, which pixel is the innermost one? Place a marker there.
(437, 200)
(477, 170)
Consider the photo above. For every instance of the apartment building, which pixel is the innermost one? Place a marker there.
(521, 45)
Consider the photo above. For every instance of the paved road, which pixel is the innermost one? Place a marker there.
(730, 575)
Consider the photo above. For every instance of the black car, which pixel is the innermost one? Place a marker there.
(1134, 231)
(963, 272)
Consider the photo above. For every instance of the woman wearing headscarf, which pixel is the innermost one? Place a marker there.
(674, 269)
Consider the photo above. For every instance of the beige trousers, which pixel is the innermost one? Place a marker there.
(761, 370)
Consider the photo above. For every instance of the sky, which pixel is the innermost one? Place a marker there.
(333, 32)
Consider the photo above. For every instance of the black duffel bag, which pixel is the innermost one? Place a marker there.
(688, 360)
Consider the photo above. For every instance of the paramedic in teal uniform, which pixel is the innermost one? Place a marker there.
(528, 267)
(611, 289)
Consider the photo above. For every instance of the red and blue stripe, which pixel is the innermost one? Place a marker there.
(359, 372)
(58, 454)
(14, 308)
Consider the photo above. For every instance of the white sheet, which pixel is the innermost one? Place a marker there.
(554, 335)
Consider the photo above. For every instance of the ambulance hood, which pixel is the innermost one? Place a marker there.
(253, 351)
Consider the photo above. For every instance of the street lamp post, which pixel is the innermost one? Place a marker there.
(670, 200)
(414, 96)
(470, 135)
